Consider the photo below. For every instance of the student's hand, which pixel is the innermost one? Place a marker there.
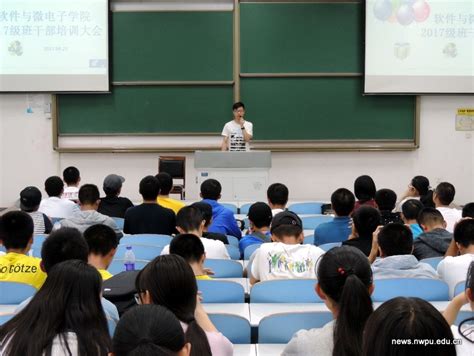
(374, 251)
(209, 271)
(242, 122)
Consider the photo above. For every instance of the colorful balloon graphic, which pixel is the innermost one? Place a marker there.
(422, 10)
(402, 11)
(405, 15)
(383, 9)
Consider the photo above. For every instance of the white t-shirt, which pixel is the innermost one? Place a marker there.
(55, 207)
(466, 348)
(233, 131)
(277, 211)
(276, 260)
(451, 216)
(71, 193)
(214, 249)
(453, 270)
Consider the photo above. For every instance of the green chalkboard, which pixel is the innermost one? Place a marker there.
(161, 46)
(325, 109)
(302, 38)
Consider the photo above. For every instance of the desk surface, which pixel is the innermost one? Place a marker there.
(269, 349)
(245, 350)
(240, 309)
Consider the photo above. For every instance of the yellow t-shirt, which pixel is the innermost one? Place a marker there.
(203, 277)
(172, 204)
(16, 267)
(105, 274)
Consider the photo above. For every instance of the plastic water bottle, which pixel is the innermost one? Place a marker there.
(129, 259)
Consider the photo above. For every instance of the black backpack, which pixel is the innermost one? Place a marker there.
(120, 290)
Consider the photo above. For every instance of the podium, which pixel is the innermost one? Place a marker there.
(243, 175)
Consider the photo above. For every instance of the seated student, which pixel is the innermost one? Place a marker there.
(63, 245)
(190, 221)
(89, 199)
(54, 206)
(72, 178)
(16, 234)
(364, 222)
(206, 211)
(419, 189)
(453, 268)
(443, 196)
(385, 200)
(260, 218)
(339, 229)
(435, 239)
(407, 319)
(364, 190)
(169, 281)
(112, 205)
(102, 243)
(394, 245)
(166, 184)
(30, 200)
(345, 286)
(468, 210)
(464, 331)
(64, 317)
(411, 208)
(285, 257)
(150, 330)
(223, 220)
(277, 196)
(149, 217)
(192, 250)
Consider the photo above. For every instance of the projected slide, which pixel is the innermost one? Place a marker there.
(54, 45)
(419, 46)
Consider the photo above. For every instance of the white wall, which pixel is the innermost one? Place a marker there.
(27, 158)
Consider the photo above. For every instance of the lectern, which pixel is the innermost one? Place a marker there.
(243, 175)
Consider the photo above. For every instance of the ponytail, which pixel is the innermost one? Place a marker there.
(198, 339)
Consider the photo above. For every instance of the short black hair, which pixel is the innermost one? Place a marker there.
(366, 219)
(464, 232)
(386, 199)
(445, 192)
(211, 189)
(277, 194)
(364, 188)
(429, 216)
(89, 194)
(188, 246)
(149, 188)
(71, 175)
(342, 201)
(396, 239)
(411, 209)
(206, 211)
(468, 211)
(260, 215)
(54, 186)
(238, 105)
(62, 245)
(16, 229)
(287, 230)
(101, 239)
(189, 218)
(166, 182)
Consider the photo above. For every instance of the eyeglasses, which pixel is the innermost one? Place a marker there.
(137, 298)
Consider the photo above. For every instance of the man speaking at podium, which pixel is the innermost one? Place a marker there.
(238, 132)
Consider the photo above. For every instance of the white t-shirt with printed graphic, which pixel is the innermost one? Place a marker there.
(276, 260)
(233, 131)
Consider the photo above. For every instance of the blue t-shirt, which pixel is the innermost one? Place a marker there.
(337, 230)
(416, 230)
(249, 240)
(223, 220)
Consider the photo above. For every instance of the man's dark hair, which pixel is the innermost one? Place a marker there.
(54, 186)
(238, 105)
(342, 202)
(149, 188)
(61, 245)
(277, 194)
(101, 239)
(188, 246)
(445, 192)
(71, 175)
(166, 182)
(206, 211)
(386, 199)
(429, 216)
(89, 194)
(211, 189)
(396, 239)
(366, 219)
(364, 188)
(16, 229)
(464, 232)
(287, 230)
(260, 215)
(468, 211)
(411, 209)
(189, 218)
